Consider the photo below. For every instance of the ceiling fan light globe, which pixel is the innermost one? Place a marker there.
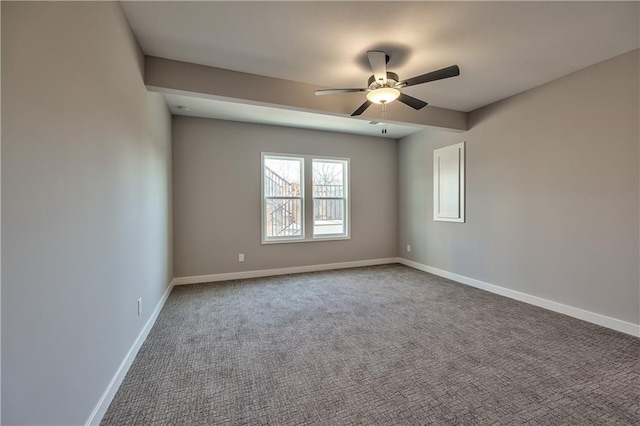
(383, 95)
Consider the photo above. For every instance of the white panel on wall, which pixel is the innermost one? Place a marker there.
(448, 183)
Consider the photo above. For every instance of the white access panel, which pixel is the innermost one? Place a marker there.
(448, 183)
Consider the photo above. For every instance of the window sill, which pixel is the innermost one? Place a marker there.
(314, 240)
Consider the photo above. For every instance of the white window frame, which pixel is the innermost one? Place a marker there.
(307, 204)
(345, 184)
(289, 238)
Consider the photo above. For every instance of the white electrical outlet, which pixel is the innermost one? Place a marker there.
(140, 306)
(409, 248)
(241, 257)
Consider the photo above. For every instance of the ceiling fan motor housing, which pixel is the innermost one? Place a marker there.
(392, 81)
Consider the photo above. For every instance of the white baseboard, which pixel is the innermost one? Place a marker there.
(592, 317)
(116, 381)
(281, 271)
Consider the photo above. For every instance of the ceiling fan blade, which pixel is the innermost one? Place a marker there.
(362, 108)
(337, 91)
(411, 101)
(378, 61)
(447, 72)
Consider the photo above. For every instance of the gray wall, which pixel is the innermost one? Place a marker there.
(552, 193)
(86, 189)
(216, 189)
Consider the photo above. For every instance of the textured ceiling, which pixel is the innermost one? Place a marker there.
(502, 48)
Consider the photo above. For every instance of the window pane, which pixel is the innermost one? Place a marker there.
(328, 178)
(282, 177)
(328, 217)
(283, 218)
(329, 197)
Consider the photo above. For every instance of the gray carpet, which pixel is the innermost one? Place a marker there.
(383, 345)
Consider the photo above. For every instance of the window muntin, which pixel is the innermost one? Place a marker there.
(329, 198)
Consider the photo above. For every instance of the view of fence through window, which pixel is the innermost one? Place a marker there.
(283, 197)
(328, 197)
(284, 192)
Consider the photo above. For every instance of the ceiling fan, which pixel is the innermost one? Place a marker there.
(384, 86)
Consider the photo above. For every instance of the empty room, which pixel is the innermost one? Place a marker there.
(320, 213)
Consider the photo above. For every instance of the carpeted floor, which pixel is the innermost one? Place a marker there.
(382, 345)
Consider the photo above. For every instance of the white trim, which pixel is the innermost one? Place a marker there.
(281, 271)
(346, 184)
(592, 317)
(289, 239)
(329, 237)
(106, 398)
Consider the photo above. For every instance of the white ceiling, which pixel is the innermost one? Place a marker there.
(502, 48)
(236, 111)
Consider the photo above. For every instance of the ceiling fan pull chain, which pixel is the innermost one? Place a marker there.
(384, 118)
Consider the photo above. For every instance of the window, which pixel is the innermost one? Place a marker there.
(285, 181)
(283, 187)
(329, 198)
